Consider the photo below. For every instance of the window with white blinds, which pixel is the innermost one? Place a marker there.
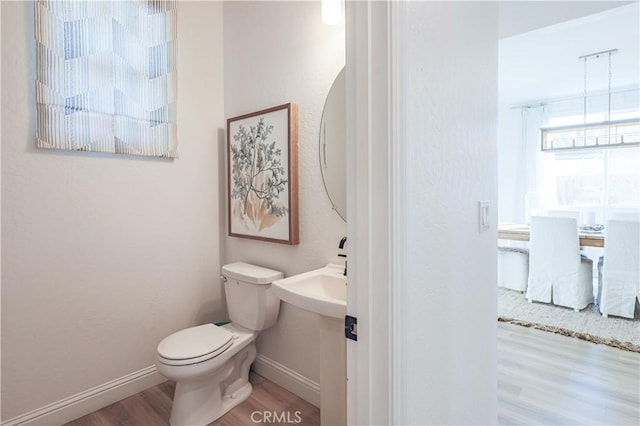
(106, 76)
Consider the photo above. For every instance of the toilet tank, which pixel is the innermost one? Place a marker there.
(250, 301)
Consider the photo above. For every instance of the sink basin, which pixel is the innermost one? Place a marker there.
(323, 291)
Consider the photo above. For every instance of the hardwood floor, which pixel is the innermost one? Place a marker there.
(549, 379)
(543, 379)
(152, 407)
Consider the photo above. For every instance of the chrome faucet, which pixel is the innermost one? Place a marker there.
(343, 241)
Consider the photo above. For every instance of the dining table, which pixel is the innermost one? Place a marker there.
(589, 236)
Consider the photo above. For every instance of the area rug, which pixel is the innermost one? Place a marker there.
(587, 324)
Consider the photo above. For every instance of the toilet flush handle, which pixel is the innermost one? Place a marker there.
(223, 278)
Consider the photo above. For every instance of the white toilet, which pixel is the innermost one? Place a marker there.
(210, 364)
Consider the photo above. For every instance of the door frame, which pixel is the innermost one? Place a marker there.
(375, 219)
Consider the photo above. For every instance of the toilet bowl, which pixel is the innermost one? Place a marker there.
(210, 364)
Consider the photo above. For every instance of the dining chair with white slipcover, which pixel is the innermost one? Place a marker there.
(558, 273)
(513, 268)
(632, 215)
(566, 213)
(619, 269)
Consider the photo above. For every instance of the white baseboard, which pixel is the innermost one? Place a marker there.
(94, 399)
(91, 400)
(288, 379)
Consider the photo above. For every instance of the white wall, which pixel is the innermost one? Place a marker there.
(450, 96)
(103, 255)
(278, 52)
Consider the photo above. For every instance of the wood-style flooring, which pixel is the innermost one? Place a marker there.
(543, 379)
(549, 379)
(152, 407)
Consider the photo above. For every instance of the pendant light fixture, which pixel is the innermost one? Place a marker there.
(605, 134)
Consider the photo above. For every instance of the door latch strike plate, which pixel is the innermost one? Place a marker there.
(351, 327)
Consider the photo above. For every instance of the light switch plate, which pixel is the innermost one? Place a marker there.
(483, 215)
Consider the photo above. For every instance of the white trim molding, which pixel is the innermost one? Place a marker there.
(397, 217)
(90, 400)
(371, 182)
(290, 380)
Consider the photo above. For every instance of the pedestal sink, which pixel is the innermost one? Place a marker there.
(324, 291)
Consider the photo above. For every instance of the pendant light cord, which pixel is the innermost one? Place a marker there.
(609, 89)
(584, 94)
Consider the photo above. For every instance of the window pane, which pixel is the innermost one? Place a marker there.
(623, 177)
(579, 178)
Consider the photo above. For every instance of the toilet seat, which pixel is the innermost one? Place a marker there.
(195, 344)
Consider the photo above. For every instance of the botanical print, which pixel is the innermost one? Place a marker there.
(259, 177)
(262, 155)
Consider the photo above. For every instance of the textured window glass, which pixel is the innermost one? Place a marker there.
(106, 76)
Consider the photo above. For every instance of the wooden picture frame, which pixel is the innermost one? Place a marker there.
(262, 175)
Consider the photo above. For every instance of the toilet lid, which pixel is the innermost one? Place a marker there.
(195, 342)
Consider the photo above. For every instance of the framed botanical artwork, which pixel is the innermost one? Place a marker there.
(262, 152)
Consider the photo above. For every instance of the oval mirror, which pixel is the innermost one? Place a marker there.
(333, 147)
